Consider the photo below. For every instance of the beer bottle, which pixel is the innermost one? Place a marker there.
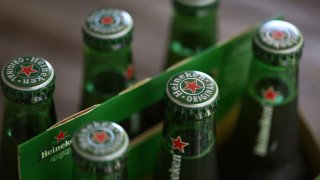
(99, 152)
(107, 35)
(27, 85)
(265, 144)
(193, 28)
(187, 150)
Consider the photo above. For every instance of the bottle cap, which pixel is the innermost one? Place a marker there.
(191, 94)
(28, 80)
(278, 42)
(108, 29)
(100, 147)
(196, 3)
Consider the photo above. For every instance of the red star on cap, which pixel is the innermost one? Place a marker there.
(270, 94)
(107, 20)
(100, 137)
(192, 86)
(129, 72)
(60, 136)
(178, 144)
(278, 35)
(27, 70)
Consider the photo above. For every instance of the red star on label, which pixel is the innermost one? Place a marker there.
(129, 72)
(278, 35)
(192, 86)
(60, 136)
(270, 94)
(178, 144)
(100, 137)
(107, 20)
(27, 70)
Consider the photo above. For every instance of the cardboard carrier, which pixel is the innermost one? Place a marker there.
(49, 156)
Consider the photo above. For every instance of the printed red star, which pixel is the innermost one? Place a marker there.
(27, 70)
(192, 86)
(60, 136)
(129, 72)
(178, 144)
(278, 35)
(107, 20)
(270, 94)
(100, 137)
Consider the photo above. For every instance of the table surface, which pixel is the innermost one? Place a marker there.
(51, 29)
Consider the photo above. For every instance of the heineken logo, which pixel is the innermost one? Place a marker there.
(261, 146)
(58, 149)
(60, 136)
(129, 73)
(191, 87)
(27, 72)
(270, 92)
(278, 35)
(271, 96)
(100, 137)
(279, 38)
(177, 143)
(174, 170)
(108, 20)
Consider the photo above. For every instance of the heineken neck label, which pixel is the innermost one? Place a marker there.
(177, 144)
(192, 89)
(270, 98)
(261, 146)
(27, 73)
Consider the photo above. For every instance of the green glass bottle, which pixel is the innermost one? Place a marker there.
(107, 35)
(265, 144)
(193, 28)
(28, 85)
(187, 150)
(99, 152)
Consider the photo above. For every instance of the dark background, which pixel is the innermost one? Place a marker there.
(51, 29)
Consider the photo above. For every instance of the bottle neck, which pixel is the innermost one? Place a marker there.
(106, 73)
(81, 174)
(198, 134)
(274, 85)
(191, 32)
(24, 121)
(268, 120)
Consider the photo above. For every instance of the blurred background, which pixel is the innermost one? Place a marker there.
(52, 30)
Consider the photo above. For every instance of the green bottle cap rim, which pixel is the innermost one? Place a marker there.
(100, 142)
(108, 27)
(28, 79)
(192, 92)
(196, 3)
(278, 41)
